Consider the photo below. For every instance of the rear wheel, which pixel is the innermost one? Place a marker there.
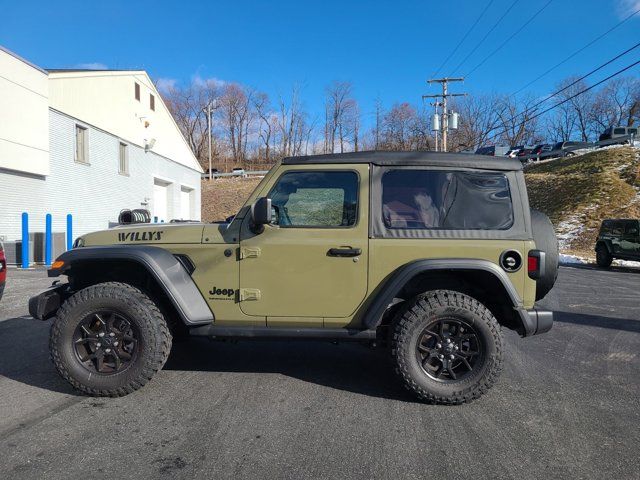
(447, 347)
(109, 339)
(603, 257)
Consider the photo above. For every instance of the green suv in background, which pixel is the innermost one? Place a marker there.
(618, 239)
(428, 254)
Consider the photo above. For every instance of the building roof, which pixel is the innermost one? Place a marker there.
(437, 159)
(15, 55)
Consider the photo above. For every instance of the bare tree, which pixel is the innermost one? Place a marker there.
(268, 122)
(339, 115)
(187, 107)
(618, 103)
(237, 115)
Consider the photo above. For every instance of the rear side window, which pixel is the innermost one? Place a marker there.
(316, 199)
(446, 200)
(619, 131)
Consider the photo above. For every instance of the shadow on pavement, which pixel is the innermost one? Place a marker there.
(345, 366)
(24, 355)
(597, 321)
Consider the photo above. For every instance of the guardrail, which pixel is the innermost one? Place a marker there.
(626, 139)
(241, 173)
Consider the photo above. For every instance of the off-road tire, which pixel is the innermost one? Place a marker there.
(154, 343)
(408, 327)
(603, 257)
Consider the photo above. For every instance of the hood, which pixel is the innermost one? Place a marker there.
(146, 233)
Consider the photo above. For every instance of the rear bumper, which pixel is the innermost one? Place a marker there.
(535, 322)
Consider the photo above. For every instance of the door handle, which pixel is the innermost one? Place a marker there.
(344, 252)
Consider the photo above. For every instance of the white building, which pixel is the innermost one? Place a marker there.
(88, 143)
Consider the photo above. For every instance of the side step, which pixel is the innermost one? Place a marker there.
(277, 332)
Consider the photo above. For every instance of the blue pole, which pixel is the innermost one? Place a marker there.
(25, 240)
(47, 241)
(69, 231)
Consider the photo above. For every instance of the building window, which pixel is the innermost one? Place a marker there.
(152, 102)
(137, 91)
(82, 154)
(123, 157)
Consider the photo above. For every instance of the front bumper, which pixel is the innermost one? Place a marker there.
(535, 322)
(46, 304)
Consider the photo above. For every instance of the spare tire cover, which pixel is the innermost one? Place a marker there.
(546, 240)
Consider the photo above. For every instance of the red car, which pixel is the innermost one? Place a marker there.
(3, 270)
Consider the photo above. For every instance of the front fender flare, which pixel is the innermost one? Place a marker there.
(166, 270)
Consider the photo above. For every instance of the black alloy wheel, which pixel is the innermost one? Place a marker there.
(106, 342)
(449, 350)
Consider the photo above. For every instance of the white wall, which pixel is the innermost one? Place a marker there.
(107, 101)
(24, 116)
(93, 193)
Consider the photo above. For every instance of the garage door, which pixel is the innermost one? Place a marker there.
(160, 201)
(186, 203)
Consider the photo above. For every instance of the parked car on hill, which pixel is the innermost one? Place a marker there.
(524, 152)
(618, 238)
(493, 150)
(567, 149)
(617, 132)
(542, 151)
(513, 151)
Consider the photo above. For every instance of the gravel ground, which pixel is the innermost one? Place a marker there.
(566, 406)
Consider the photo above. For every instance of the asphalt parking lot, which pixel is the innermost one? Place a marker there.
(566, 406)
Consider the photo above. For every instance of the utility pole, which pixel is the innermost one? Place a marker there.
(208, 111)
(445, 95)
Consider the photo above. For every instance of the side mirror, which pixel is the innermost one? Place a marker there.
(260, 214)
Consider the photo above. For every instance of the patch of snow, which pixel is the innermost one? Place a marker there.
(571, 228)
(572, 259)
(626, 263)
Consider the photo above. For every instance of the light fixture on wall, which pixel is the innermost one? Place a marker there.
(148, 144)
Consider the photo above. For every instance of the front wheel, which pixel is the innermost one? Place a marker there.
(603, 257)
(447, 347)
(109, 339)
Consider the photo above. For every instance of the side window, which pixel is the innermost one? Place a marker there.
(316, 199)
(619, 131)
(446, 200)
(631, 228)
(617, 228)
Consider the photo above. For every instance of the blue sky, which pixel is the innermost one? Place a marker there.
(386, 49)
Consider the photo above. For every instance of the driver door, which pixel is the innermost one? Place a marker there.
(311, 262)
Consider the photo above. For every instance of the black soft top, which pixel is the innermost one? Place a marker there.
(435, 159)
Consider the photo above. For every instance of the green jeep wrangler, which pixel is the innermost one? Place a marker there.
(430, 254)
(618, 238)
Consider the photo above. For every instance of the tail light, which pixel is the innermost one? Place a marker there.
(3, 266)
(535, 264)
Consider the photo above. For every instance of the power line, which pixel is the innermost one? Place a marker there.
(565, 100)
(567, 87)
(509, 38)
(463, 38)
(485, 37)
(576, 52)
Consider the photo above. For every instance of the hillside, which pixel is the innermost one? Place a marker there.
(578, 193)
(223, 197)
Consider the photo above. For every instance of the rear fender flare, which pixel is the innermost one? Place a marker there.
(406, 273)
